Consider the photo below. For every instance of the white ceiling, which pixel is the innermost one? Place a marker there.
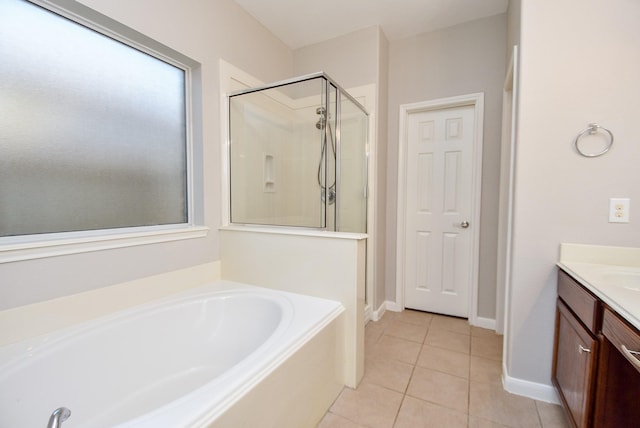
(300, 23)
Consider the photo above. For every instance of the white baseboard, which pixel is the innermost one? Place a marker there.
(478, 321)
(377, 314)
(389, 305)
(484, 323)
(368, 314)
(393, 306)
(537, 391)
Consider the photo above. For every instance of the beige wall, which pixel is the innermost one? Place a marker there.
(464, 59)
(580, 63)
(205, 31)
(350, 59)
(381, 171)
(513, 24)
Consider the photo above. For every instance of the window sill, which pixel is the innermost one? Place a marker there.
(13, 252)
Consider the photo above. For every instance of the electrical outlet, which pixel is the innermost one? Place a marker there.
(619, 210)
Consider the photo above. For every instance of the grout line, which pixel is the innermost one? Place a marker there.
(413, 369)
(469, 388)
(344, 417)
(535, 403)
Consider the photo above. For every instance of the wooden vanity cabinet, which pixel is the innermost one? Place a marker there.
(575, 355)
(597, 380)
(618, 392)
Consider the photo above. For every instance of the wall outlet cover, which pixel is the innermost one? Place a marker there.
(619, 210)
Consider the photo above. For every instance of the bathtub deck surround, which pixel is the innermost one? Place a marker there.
(427, 370)
(24, 322)
(209, 357)
(329, 265)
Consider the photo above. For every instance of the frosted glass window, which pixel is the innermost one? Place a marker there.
(92, 131)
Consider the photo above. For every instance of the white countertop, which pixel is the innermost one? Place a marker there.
(611, 273)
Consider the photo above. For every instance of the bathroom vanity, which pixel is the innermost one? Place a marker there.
(596, 364)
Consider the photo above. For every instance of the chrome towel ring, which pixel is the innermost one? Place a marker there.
(593, 129)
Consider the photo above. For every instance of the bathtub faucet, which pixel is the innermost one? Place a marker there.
(58, 416)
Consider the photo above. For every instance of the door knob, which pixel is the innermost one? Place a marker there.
(464, 224)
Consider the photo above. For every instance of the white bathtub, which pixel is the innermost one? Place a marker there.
(179, 362)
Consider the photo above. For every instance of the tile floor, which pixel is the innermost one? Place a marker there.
(427, 370)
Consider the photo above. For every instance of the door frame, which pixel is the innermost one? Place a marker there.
(477, 101)
(507, 196)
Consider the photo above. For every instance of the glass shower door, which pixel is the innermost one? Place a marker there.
(298, 156)
(352, 194)
(275, 156)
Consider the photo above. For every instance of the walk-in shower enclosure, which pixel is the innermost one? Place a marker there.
(298, 156)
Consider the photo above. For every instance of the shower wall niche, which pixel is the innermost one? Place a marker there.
(298, 156)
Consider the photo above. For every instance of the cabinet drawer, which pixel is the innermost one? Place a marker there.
(585, 305)
(625, 338)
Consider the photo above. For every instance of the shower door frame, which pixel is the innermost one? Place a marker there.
(339, 93)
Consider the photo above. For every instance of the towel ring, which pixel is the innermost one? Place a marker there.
(593, 129)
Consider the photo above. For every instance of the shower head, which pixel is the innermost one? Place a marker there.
(320, 124)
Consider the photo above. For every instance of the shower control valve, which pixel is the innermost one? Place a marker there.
(332, 196)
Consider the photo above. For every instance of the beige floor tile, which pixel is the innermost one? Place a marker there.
(491, 402)
(457, 325)
(391, 374)
(332, 420)
(439, 388)
(369, 349)
(483, 423)
(487, 347)
(415, 413)
(415, 317)
(404, 330)
(444, 360)
(383, 322)
(485, 370)
(394, 348)
(369, 405)
(552, 415)
(456, 381)
(448, 340)
(373, 329)
(372, 333)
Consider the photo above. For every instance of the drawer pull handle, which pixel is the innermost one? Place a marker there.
(631, 356)
(582, 349)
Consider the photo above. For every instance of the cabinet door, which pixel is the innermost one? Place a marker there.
(618, 385)
(575, 356)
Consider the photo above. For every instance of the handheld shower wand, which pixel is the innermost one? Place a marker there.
(329, 193)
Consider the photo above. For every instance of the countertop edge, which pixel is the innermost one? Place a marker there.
(573, 271)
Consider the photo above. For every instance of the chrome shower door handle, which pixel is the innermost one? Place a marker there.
(464, 224)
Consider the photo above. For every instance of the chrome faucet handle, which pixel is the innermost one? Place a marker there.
(58, 416)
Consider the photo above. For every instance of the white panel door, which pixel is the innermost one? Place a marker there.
(438, 240)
